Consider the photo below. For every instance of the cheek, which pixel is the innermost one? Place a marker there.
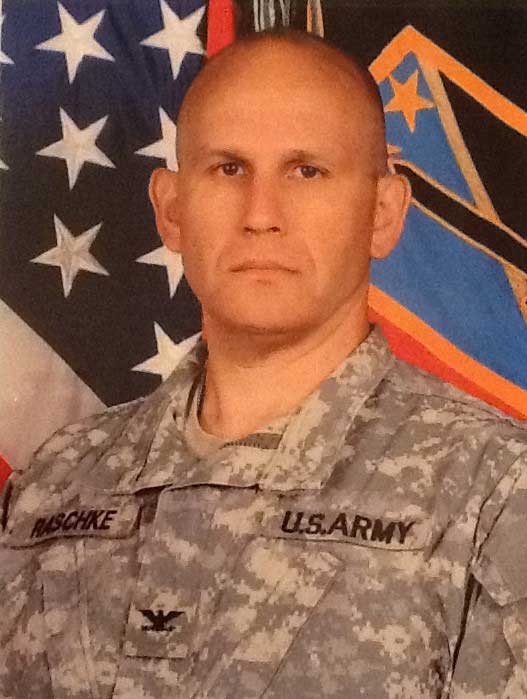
(208, 211)
(335, 228)
(197, 248)
(206, 196)
(341, 257)
(203, 239)
(198, 223)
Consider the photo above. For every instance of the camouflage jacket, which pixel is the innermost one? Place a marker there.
(374, 549)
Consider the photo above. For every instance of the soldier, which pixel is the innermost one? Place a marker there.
(294, 512)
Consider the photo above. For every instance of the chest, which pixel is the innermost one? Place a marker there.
(235, 593)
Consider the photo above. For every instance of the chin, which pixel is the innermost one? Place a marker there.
(259, 321)
(271, 312)
(263, 326)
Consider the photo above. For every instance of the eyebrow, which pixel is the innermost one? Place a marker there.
(294, 155)
(300, 154)
(226, 153)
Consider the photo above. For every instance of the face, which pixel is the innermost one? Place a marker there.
(274, 202)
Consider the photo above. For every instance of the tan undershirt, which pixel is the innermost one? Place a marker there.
(203, 444)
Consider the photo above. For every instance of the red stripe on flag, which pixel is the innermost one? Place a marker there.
(406, 347)
(5, 472)
(220, 25)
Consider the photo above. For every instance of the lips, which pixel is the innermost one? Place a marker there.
(256, 264)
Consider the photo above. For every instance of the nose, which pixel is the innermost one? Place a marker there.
(263, 209)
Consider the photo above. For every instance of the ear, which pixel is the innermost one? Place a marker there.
(393, 199)
(163, 191)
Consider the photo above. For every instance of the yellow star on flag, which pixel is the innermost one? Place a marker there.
(407, 100)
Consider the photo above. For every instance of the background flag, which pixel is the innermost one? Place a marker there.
(457, 282)
(93, 311)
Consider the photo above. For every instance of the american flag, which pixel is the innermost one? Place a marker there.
(93, 311)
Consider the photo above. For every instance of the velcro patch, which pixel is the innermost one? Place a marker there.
(114, 519)
(349, 527)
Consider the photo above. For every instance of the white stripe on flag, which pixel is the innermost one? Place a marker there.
(39, 392)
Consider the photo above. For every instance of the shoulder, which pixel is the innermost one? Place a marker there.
(75, 449)
(438, 399)
(94, 455)
(470, 445)
(68, 447)
(64, 458)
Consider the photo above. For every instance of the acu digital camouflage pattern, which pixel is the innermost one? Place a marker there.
(344, 555)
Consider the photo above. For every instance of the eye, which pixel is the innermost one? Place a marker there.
(308, 172)
(230, 169)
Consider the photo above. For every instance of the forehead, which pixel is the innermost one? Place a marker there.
(289, 91)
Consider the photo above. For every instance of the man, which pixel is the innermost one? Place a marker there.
(294, 512)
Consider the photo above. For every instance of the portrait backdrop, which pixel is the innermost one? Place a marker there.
(94, 312)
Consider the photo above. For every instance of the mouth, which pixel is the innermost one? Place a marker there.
(261, 265)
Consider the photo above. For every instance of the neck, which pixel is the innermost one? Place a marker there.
(253, 378)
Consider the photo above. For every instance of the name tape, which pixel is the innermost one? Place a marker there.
(117, 519)
(84, 520)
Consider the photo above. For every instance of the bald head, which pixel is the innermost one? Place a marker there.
(290, 57)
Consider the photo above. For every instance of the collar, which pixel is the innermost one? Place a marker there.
(302, 459)
(313, 442)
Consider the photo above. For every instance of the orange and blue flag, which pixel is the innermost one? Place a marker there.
(452, 296)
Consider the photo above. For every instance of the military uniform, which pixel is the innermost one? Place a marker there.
(351, 549)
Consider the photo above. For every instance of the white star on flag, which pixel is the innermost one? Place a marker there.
(169, 354)
(3, 57)
(164, 257)
(76, 40)
(3, 166)
(165, 148)
(178, 36)
(71, 254)
(77, 146)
